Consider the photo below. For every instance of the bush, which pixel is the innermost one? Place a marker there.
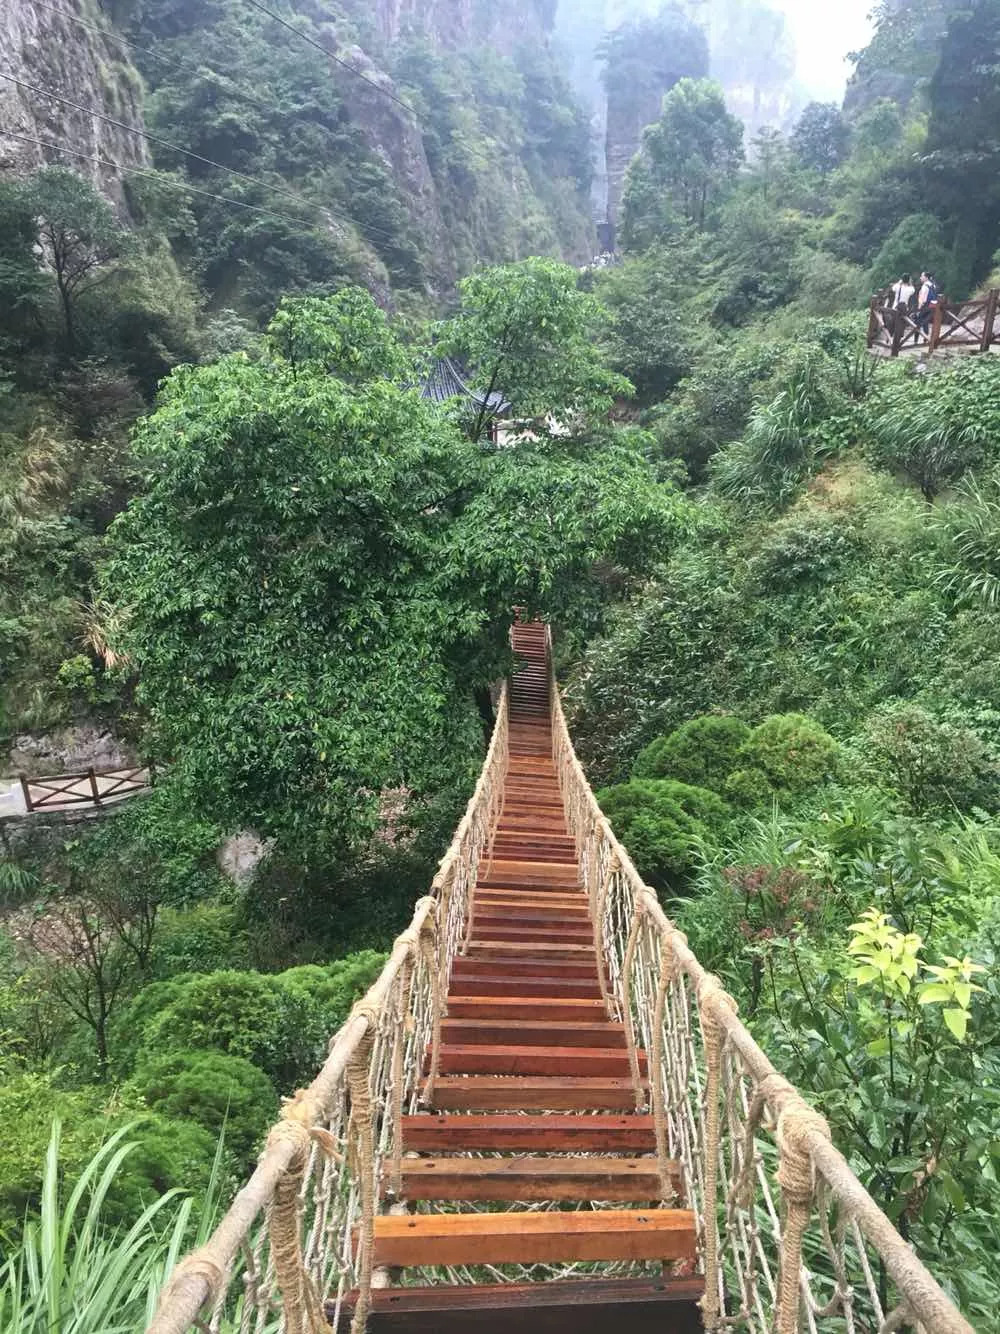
(702, 752)
(662, 823)
(803, 550)
(792, 752)
(933, 765)
(199, 940)
(213, 1091)
(168, 1154)
(280, 1023)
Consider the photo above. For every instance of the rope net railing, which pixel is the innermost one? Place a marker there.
(789, 1239)
(298, 1238)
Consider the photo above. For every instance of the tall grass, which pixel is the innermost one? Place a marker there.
(73, 1274)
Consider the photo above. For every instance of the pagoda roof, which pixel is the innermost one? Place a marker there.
(446, 381)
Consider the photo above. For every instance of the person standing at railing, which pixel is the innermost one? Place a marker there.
(927, 302)
(900, 297)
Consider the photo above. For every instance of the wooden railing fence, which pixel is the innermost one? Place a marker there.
(969, 324)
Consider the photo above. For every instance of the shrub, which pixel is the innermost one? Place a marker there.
(662, 823)
(792, 751)
(213, 1091)
(168, 1154)
(280, 1023)
(200, 940)
(805, 549)
(933, 765)
(702, 752)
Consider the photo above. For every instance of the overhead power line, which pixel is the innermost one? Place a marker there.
(197, 157)
(158, 176)
(106, 32)
(330, 56)
(156, 139)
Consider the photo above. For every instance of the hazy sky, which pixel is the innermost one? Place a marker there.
(825, 31)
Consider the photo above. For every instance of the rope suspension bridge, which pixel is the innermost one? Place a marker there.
(546, 1115)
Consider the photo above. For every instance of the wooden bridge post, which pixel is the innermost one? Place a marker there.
(989, 319)
(29, 805)
(898, 330)
(95, 790)
(872, 321)
(936, 325)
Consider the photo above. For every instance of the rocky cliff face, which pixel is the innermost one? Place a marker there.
(50, 51)
(501, 24)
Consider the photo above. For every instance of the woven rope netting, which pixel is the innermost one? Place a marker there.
(789, 1239)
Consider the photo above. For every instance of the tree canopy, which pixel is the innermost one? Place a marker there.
(321, 569)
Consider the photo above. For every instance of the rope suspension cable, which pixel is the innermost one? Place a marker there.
(336, 59)
(185, 152)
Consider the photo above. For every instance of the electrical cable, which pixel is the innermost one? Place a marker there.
(156, 139)
(107, 33)
(336, 59)
(159, 176)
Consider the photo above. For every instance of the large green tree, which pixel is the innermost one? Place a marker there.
(527, 332)
(689, 158)
(320, 573)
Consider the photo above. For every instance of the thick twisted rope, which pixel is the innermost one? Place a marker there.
(669, 971)
(712, 997)
(613, 866)
(303, 1309)
(433, 949)
(361, 1133)
(397, 1076)
(628, 969)
(797, 1179)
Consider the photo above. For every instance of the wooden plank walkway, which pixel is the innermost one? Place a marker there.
(535, 1073)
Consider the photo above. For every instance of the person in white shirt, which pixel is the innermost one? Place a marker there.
(902, 292)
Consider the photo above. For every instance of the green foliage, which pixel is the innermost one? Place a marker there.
(779, 448)
(280, 1024)
(345, 335)
(199, 939)
(648, 339)
(168, 1155)
(319, 575)
(793, 751)
(821, 138)
(663, 824)
(688, 162)
(971, 529)
(934, 428)
(527, 332)
(224, 1095)
(703, 752)
(75, 1268)
(914, 246)
(933, 765)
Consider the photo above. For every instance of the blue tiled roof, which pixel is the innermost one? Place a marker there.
(446, 382)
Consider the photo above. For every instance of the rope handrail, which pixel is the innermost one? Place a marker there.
(711, 1119)
(327, 1153)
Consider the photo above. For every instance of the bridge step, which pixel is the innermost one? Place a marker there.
(490, 1093)
(574, 1062)
(534, 1238)
(441, 1134)
(532, 1032)
(575, 1306)
(508, 967)
(526, 987)
(531, 1180)
(536, 1009)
